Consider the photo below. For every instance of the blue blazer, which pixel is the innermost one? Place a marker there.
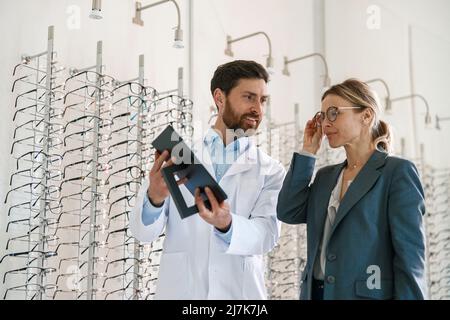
(377, 243)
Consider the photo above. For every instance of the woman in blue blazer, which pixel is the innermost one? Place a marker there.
(364, 217)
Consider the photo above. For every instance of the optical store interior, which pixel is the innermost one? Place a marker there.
(87, 210)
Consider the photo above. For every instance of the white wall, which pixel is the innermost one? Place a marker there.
(289, 25)
(354, 50)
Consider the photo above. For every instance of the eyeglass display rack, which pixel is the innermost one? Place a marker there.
(436, 184)
(82, 147)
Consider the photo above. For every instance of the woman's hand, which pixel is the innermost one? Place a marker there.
(312, 138)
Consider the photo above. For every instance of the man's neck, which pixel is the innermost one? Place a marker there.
(221, 128)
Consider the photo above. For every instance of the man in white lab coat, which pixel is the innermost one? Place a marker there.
(218, 253)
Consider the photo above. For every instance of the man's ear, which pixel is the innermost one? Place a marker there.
(219, 98)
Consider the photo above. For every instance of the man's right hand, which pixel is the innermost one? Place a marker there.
(157, 191)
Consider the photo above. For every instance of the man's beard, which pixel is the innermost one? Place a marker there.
(235, 122)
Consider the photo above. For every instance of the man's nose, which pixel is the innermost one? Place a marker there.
(257, 107)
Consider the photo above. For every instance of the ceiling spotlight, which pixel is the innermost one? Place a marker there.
(387, 101)
(439, 120)
(178, 42)
(269, 60)
(137, 19)
(326, 80)
(96, 12)
(418, 96)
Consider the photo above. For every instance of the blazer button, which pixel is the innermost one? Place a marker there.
(331, 257)
(331, 279)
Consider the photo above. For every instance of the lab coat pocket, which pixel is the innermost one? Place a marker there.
(174, 277)
(253, 285)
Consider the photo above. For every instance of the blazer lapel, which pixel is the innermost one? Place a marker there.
(363, 182)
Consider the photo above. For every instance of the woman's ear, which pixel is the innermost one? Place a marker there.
(367, 116)
(219, 98)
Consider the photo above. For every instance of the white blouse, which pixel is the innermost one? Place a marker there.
(333, 206)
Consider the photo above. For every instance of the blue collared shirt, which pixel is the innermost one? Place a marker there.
(222, 157)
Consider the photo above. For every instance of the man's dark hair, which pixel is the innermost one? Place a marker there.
(227, 76)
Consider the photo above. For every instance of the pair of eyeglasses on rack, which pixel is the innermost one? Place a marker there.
(125, 117)
(82, 200)
(137, 89)
(284, 265)
(101, 152)
(101, 121)
(27, 254)
(183, 129)
(126, 143)
(31, 221)
(89, 76)
(39, 95)
(32, 287)
(172, 113)
(38, 125)
(30, 238)
(77, 260)
(88, 163)
(39, 83)
(88, 90)
(128, 157)
(131, 186)
(29, 271)
(118, 232)
(86, 135)
(52, 191)
(173, 99)
(79, 294)
(81, 179)
(136, 102)
(87, 106)
(38, 141)
(37, 110)
(35, 66)
(30, 205)
(135, 172)
(39, 156)
(129, 275)
(129, 293)
(37, 172)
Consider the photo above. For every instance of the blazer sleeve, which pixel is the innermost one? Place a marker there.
(151, 232)
(406, 207)
(294, 194)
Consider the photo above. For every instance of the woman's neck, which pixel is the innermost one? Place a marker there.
(358, 154)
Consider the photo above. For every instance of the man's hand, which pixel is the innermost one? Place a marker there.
(158, 191)
(220, 216)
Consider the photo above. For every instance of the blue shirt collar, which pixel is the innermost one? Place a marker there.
(213, 137)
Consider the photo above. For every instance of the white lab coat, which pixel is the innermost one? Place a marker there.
(196, 263)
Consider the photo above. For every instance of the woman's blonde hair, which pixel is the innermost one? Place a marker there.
(360, 94)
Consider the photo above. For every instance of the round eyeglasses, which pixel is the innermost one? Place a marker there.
(331, 114)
